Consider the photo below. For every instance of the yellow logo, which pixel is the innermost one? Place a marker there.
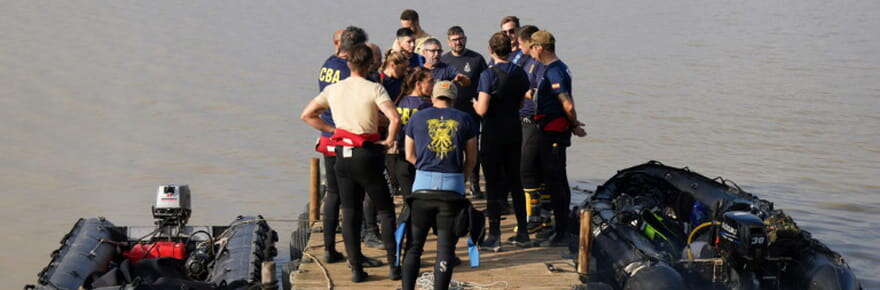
(405, 114)
(328, 75)
(441, 132)
(555, 86)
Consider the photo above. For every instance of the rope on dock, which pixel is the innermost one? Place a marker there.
(426, 281)
(323, 269)
(321, 265)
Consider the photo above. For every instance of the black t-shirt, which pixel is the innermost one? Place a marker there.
(470, 64)
(507, 83)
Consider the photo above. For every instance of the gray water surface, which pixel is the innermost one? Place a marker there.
(102, 101)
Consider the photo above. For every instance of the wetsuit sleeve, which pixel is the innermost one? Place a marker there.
(487, 79)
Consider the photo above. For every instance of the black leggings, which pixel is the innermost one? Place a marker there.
(331, 204)
(441, 215)
(551, 155)
(358, 171)
(404, 172)
(502, 171)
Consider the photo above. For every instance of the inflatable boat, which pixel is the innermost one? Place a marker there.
(659, 227)
(96, 254)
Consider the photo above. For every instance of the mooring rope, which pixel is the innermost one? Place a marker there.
(426, 281)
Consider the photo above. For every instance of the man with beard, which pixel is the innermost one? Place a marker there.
(470, 64)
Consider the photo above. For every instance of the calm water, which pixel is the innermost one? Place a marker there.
(102, 102)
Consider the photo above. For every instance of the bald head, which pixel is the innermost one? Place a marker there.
(377, 56)
(337, 36)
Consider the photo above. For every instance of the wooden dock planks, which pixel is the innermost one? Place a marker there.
(513, 268)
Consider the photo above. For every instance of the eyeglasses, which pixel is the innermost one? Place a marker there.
(433, 50)
(460, 39)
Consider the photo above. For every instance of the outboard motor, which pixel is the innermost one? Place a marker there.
(743, 239)
(172, 205)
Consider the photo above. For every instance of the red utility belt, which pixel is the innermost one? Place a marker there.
(323, 146)
(558, 124)
(349, 139)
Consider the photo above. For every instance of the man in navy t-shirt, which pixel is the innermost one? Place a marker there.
(441, 142)
(557, 118)
(510, 27)
(465, 61)
(471, 64)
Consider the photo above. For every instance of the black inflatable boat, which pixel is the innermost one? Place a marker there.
(97, 254)
(658, 227)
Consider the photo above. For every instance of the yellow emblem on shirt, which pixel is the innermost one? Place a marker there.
(555, 86)
(441, 132)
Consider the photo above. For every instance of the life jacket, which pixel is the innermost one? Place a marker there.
(348, 139)
(552, 124)
(323, 146)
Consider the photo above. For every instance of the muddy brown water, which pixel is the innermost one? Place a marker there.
(102, 101)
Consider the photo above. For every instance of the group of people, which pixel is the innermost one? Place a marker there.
(430, 120)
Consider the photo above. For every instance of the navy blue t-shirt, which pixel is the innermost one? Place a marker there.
(471, 64)
(557, 80)
(501, 121)
(443, 72)
(535, 70)
(334, 70)
(406, 107)
(392, 85)
(441, 136)
(416, 60)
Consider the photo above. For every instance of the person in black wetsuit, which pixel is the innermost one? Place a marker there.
(360, 150)
(441, 142)
(501, 91)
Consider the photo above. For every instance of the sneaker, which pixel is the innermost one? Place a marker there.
(558, 240)
(331, 257)
(492, 243)
(520, 240)
(372, 240)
